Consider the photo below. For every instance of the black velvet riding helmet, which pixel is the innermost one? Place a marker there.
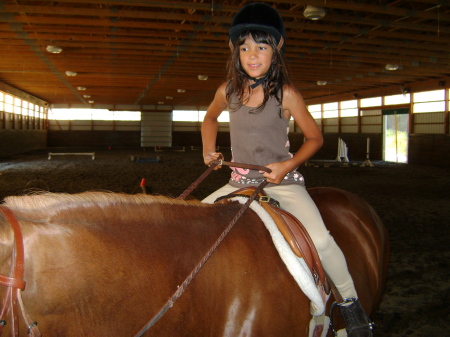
(258, 16)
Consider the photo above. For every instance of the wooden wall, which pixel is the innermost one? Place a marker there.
(20, 141)
(95, 139)
(429, 149)
(356, 143)
(424, 149)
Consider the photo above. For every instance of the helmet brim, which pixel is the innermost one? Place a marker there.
(237, 30)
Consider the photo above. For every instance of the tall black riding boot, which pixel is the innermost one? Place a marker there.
(357, 323)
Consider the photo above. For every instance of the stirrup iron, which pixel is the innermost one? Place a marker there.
(357, 323)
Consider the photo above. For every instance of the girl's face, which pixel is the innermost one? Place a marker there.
(256, 58)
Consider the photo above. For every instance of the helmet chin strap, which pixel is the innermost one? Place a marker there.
(257, 81)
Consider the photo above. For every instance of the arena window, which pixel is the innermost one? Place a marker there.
(25, 106)
(371, 101)
(28, 114)
(196, 116)
(330, 110)
(315, 110)
(349, 108)
(41, 112)
(397, 99)
(429, 101)
(9, 100)
(185, 116)
(93, 114)
(17, 106)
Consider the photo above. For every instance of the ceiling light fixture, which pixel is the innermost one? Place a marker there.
(54, 49)
(391, 66)
(202, 77)
(87, 96)
(169, 97)
(321, 82)
(160, 103)
(90, 102)
(314, 13)
(81, 88)
(181, 90)
(71, 73)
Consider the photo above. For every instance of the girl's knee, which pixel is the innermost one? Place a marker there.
(323, 243)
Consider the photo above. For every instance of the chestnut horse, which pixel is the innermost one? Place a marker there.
(103, 264)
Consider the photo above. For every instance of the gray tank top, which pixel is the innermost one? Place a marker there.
(259, 138)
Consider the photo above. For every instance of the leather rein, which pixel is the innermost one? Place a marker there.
(15, 283)
(170, 302)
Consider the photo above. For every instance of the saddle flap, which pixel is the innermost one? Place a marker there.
(292, 230)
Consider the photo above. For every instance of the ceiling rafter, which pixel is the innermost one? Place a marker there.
(129, 51)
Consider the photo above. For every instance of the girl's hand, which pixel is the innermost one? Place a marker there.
(279, 171)
(211, 156)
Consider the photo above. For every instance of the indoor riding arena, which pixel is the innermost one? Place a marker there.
(110, 96)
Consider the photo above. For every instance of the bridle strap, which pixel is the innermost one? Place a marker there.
(12, 282)
(15, 283)
(18, 253)
(17, 266)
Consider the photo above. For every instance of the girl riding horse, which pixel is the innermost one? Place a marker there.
(261, 100)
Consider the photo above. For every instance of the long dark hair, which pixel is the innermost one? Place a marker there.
(276, 77)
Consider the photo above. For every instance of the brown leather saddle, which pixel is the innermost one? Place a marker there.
(292, 230)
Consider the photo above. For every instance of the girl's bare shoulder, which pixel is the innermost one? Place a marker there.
(222, 89)
(291, 95)
(290, 90)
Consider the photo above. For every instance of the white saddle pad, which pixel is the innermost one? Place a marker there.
(296, 266)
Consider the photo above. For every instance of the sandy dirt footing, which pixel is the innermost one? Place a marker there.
(413, 202)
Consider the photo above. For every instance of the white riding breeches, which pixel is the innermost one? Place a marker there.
(295, 199)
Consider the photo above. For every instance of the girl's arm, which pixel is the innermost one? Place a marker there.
(210, 125)
(294, 105)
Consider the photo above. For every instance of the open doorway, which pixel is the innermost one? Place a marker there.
(395, 135)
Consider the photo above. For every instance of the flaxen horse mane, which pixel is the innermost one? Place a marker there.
(47, 205)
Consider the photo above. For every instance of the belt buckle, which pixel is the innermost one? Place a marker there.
(270, 200)
(264, 198)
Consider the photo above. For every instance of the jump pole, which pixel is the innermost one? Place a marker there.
(137, 159)
(50, 154)
(367, 162)
(175, 149)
